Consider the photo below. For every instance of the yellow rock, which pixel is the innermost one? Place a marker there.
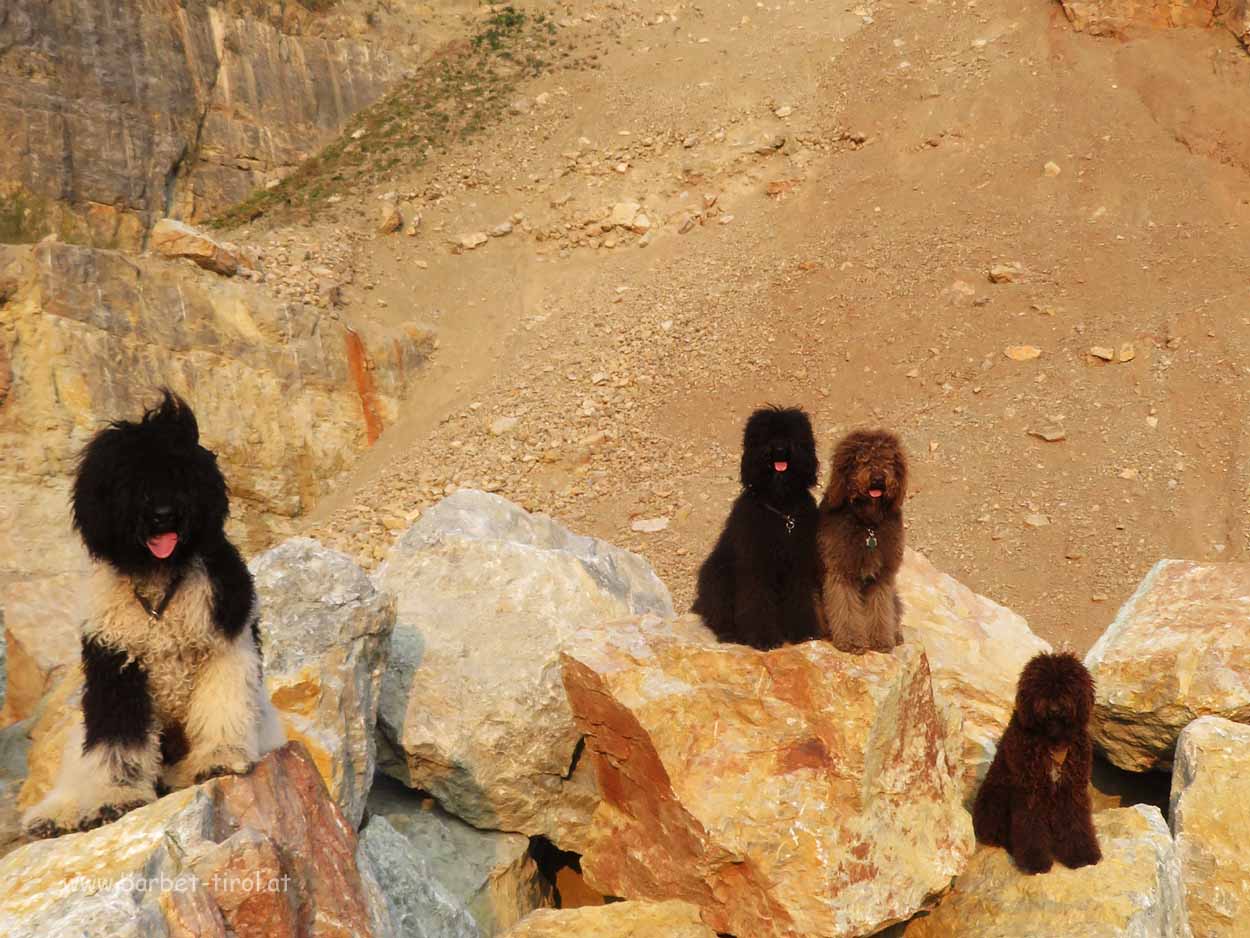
(1177, 650)
(1135, 892)
(798, 792)
(1211, 823)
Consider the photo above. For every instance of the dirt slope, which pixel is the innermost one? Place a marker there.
(848, 176)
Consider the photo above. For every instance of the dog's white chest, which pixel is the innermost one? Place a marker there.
(172, 648)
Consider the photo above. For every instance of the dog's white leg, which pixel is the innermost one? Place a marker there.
(228, 717)
(95, 785)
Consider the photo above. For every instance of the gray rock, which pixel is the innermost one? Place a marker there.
(418, 905)
(326, 631)
(488, 872)
(473, 710)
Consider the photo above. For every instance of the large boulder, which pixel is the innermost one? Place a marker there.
(976, 649)
(266, 855)
(489, 873)
(325, 631)
(798, 792)
(286, 395)
(472, 706)
(1178, 649)
(671, 919)
(418, 905)
(1135, 892)
(42, 619)
(1210, 814)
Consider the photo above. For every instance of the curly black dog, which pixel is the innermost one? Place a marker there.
(172, 690)
(1035, 799)
(760, 586)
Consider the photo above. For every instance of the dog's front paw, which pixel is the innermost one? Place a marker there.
(52, 817)
(1034, 861)
(217, 770)
(1088, 856)
(43, 828)
(108, 813)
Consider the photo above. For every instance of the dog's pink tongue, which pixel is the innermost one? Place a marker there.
(781, 466)
(163, 544)
(875, 493)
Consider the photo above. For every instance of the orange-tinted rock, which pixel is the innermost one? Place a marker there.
(172, 238)
(266, 854)
(1118, 17)
(798, 792)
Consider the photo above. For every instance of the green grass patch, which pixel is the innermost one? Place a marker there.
(460, 92)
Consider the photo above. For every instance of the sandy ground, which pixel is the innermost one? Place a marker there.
(848, 177)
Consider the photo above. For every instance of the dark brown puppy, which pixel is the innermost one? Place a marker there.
(760, 584)
(860, 540)
(1035, 799)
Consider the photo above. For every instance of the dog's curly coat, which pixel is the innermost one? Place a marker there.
(759, 586)
(172, 689)
(860, 542)
(1035, 799)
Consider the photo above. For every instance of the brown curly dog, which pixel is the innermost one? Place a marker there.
(1035, 799)
(860, 541)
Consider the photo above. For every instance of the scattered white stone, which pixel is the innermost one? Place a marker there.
(649, 525)
(1051, 168)
(471, 241)
(503, 425)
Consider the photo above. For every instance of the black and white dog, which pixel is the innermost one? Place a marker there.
(173, 692)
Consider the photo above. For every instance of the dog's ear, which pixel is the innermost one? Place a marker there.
(1085, 700)
(900, 472)
(836, 492)
(175, 418)
(93, 500)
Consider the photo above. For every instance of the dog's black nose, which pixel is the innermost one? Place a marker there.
(163, 514)
(878, 482)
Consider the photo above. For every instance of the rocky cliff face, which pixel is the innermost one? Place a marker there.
(114, 113)
(287, 394)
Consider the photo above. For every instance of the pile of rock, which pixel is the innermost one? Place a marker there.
(528, 693)
(286, 395)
